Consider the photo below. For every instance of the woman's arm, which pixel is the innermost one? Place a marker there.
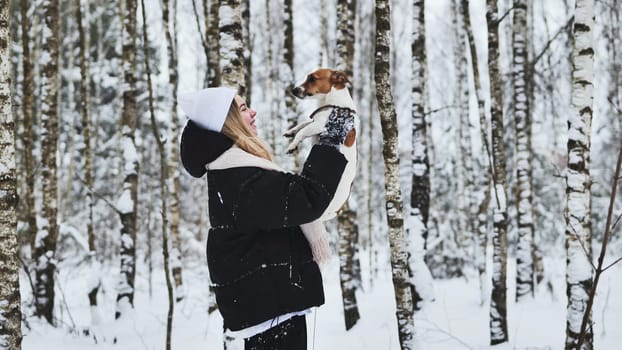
(273, 199)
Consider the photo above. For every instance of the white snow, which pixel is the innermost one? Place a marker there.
(125, 204)
(130, 156)
(455, 320)
(41, 235)
(78, 236)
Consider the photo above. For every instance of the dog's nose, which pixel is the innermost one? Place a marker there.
(297, 91)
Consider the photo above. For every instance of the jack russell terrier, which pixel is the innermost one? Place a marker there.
(329, 88)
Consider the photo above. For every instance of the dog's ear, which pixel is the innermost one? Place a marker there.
(338, 79)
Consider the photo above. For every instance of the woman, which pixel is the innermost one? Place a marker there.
(261, 265)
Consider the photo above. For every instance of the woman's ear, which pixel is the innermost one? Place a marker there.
(338, 79)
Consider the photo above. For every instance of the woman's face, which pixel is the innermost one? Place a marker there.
(247, 113)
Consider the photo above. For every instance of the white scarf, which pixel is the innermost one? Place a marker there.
(314, 231)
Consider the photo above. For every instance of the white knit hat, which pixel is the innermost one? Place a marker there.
(207, 107)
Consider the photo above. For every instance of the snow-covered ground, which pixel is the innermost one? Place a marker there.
(455, 320)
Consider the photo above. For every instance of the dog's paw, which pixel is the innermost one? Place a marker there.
(289, 134)
(292, 148)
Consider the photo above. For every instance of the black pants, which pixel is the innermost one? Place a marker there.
(289, 335)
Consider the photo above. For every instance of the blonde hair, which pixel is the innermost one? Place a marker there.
(242, 135)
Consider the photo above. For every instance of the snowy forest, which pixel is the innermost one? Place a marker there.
(483, 213)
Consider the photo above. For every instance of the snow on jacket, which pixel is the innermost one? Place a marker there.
(260, 263)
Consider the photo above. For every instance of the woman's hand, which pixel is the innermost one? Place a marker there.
(339, 124)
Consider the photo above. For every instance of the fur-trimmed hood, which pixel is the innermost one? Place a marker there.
(235, 157)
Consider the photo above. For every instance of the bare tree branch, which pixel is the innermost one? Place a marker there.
(196, 17)
(613, 263)
(505, 14)
(617, 220)
(583, 247)
(440, 330)
(603, 250)
(550, 41)
(114, 207)
(438, 110)
(62, 293)
(615, 106)
(32, 285)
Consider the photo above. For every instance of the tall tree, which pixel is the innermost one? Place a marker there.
(173, 163)
(326, 55)
(286, 73)
(231, 45)
(28, 121)
(67, 117)
(248, 48)
(349, 265)
(498, 300)
(10, 308)
(346, 17)
(211, 38)
(420, 194)
(417, 222)
(578, 183)
(393, 197)
(484, 183)
(367, 60)
(270, 83)
(524, 154)
(163, 178)
(93, 288)
(348, 257)
(467, 208)
(45, 245)
(612, 31)
(127, 203)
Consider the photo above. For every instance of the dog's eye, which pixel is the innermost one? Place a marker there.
(311, 78)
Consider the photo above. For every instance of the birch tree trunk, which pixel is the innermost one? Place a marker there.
(536, 249)
(417, 222)
(67, 119)
(231, 45)
(286, 74)
(270, 83)
(346, 17)
(325, 53)
(393, 197)
(126, 203)
(524, 154)
(173, 162)
(94, 278)
(349, 265)
(248, 48)
(498, 301)
(212, 39)
(484, 198)
(578, 183)
(28, 136)
(370, 156)
(45, 244)
(347, 252)
(10, 303)
(613, 33)
(468, 207)
(163, 178)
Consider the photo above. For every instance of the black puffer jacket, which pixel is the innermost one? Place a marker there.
(260, 263)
